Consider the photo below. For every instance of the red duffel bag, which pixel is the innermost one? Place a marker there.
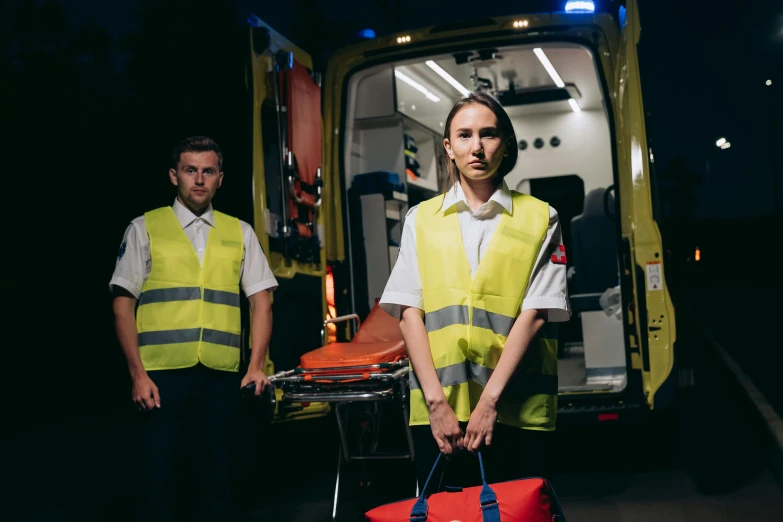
(522, 500)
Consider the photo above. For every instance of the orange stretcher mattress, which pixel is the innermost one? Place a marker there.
(378, 340)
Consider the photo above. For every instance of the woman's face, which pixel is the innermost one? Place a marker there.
(474, 142)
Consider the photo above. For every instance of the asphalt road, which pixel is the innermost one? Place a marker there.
(699, 462)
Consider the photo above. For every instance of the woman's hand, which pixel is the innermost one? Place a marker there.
(445, 428)
(481, 425)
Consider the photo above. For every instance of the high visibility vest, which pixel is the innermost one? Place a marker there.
(189, 313)
(468, 319)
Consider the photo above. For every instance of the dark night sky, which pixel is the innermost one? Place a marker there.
(703, 73)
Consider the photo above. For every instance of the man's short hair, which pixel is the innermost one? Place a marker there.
(196, 144)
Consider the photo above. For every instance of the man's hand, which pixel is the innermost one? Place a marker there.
(445, 428)
(481, 425)
(145, 393)
(258, 377)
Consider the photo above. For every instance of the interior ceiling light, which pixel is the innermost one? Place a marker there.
(549, 67)
(449, 78)
(555, 77)
(416, 85)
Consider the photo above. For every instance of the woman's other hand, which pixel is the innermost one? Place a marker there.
(481, 425)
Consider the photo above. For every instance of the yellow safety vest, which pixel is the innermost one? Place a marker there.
(189, 313)
(468, 320)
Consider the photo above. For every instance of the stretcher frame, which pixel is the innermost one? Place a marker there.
(371, 384)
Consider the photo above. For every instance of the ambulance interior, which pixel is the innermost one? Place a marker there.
(394, 123)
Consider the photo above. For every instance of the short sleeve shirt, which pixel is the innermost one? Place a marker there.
(134, 260)
(547, 289)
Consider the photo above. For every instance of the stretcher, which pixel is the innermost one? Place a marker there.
(359, 379)
(298, 104)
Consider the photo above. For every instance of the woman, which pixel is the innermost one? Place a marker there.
(474, 287)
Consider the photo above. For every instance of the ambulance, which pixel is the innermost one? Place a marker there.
(340, 155)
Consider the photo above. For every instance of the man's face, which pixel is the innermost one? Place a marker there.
(197, 178)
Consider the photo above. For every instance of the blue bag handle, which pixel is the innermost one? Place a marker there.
(487, 499)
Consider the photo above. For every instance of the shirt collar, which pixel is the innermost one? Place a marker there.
(186, 217)
(501, 196)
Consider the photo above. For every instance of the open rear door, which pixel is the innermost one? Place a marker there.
(287, 151)
(288, 195)
(651, 309)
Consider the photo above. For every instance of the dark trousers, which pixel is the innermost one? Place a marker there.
(514, 453)
(188, 445)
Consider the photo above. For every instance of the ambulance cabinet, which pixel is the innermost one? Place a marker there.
(376, 225)
(400, 144)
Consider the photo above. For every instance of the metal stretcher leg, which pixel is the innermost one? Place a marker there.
(406, 421)
(337, 481)
(359, 395)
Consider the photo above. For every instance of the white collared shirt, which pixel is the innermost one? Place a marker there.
(547, 289)
(134, 261)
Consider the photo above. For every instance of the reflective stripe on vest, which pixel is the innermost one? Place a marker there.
(469, 318)
(499, 324)
(188, 293)
(527, 384)
(189, 335)
(189, 313)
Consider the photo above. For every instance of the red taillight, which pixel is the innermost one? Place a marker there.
(330, 287)
(608, 416)
(331, 308)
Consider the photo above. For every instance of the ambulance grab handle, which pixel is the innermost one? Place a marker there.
(344, 318)
(340, 319)
(608, 210)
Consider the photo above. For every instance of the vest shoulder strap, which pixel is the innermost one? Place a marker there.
(221, 215)
(228, 227)
(529, 214)
(159, 213)
(432, 205)
(538, 205)
(162, 222)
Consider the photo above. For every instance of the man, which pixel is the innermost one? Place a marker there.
(184, 266)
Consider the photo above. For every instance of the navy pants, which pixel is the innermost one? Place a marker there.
(514, 453)
(188, 446)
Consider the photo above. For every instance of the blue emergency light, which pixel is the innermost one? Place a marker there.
(367, 34)
(580, 6)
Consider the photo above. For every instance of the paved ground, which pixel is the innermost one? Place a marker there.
(746, 321)
(698, 463)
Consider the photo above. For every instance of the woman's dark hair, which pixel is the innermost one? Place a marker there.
(507, 133)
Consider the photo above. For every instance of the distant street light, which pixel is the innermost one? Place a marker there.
(726, 145)
(768, 82)
(720, 142)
